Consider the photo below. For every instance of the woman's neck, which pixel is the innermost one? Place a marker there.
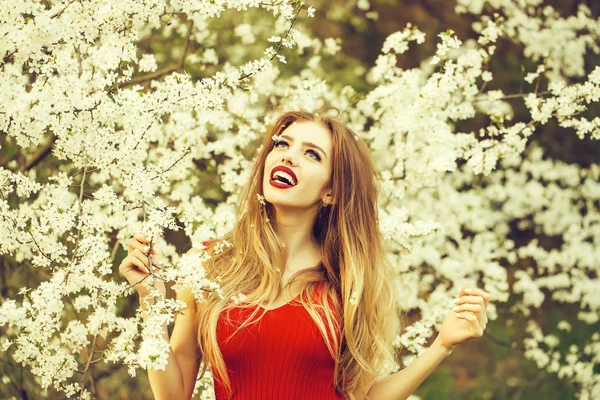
(295, 231)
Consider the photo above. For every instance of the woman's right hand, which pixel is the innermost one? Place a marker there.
(136, 266)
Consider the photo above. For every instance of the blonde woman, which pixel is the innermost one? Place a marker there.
(319, 312)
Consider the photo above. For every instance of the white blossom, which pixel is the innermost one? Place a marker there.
(148, 63)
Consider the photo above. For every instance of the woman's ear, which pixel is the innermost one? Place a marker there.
(328, 199)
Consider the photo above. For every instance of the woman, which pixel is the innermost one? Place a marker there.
(309, 308)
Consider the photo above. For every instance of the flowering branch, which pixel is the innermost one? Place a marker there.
(280, 43)
(165, 71)
(80, 212)
(62, 10)
(39, 155)
(187, 151)
(87, 366)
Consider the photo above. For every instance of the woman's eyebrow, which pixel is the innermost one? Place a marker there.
(309, 144)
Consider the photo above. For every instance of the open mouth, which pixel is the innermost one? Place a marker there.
(284, 175)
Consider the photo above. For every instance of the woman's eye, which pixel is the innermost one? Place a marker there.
(315, 154)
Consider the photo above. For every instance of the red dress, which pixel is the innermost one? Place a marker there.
(283, 356)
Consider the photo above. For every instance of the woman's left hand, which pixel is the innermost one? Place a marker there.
(467, 321)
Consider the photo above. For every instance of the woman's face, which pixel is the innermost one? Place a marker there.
(302, 155)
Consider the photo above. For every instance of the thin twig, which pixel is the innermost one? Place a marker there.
(281, 42)
(188, 42)
(142, 280)
(165, 71)
(40, 250)
(270, 4)
(143, 134)
(483, 86)
(89, 170)
(114, 250)
(8, 56)
(80, 208)
(514, 96)
(149, 76)
(167, 170)
(505, 343)
(537, 85)
(87, 366)
(58, 14)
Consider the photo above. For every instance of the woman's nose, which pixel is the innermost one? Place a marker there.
(289, 157)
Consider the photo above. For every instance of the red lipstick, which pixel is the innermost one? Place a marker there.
(291, 178)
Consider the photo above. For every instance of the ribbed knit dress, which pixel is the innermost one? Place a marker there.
(282, 357)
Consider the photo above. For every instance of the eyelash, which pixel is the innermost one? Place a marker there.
(318, 157)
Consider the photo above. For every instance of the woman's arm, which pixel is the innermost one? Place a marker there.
(404, 382)
(178, 379)
(467, 320)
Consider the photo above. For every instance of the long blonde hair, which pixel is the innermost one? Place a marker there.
(359, 330)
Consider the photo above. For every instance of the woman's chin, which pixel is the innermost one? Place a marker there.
(279, 203)
(279, 198)
(286, 205)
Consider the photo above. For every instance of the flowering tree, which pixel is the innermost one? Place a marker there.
(144, 116)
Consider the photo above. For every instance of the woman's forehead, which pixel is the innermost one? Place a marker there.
(309, 131)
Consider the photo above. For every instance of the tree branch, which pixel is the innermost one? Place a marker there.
(87, 366)
(188, 150)
(58, 14)
(148, 77)
(165, 71)
(281, 42)
(40, 154)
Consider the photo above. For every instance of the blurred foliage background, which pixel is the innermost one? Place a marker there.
(492, 367)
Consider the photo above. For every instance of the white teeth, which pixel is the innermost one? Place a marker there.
(284, 175)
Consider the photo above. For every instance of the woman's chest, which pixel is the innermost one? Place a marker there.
(287, 332)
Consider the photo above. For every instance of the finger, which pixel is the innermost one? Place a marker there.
(149, 247)
(475, 309)
(471, 300)
(133, 244)
(140, 265)
(136, 244)
(474, 328)
(475, 291)
(154, 266)
(141, 238)
(138, 240)
(138, 255)
(151, 263)
(477, 301)
(132, 263)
